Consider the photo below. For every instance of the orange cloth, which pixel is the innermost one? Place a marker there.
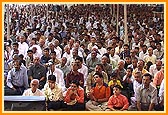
(158, 77)
(102, 92)
(79, 97)
(118, 101)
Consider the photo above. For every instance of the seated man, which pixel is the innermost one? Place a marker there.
(160, 105)
(37, 71)
(33, 91)
(59, 76)
(74, 97)
(53, 94)
(17, 79)
(74, 75)
(158, 77)
(98, 95)
(146, 94)
(136, 83)
(91, 80)
(117, 101)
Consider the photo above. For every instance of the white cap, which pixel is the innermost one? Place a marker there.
(94, 47)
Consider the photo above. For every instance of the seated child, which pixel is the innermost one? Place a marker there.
(74, 98)
(114, 81)
(117, 102)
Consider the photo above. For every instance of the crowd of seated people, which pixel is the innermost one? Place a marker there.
(77, 59)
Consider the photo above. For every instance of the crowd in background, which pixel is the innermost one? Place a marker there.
(75, 56)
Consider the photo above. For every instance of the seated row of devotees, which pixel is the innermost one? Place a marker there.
(100, 97)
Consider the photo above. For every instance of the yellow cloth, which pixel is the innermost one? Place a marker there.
(115, 83)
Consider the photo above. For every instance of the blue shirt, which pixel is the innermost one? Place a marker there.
(18, 78)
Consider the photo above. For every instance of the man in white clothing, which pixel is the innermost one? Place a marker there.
(160, 105)
(136, 83)
(58, 73)
(82, 68)
(143, 52)
(23, 46)
(150, 56)
(155, 67)
(33, 91)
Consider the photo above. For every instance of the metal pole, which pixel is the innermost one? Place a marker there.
(47, 13)
(125, 24)
(113, 10)
(117, 18)
(31, 22)
(8, 28)
(113, 15)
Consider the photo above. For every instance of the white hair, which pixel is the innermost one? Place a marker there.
(35, 80)
(121, 61)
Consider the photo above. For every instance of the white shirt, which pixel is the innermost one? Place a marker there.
(89, 56)
(115, 57)
(11, 55)
(58, 54)
(153, 69)
(118, 50)
(32, 35)
(161, 91)
(23, 47)
(29, 92)
(150, 58)
(135, 85)
(114, 60)
(88, 26)
(59, 49)
(68, 56)
(131, 78)
(135, 45)
(80, 53)
(142, 54)
(47, 42)
(39, 50)
(84, 71)
(59, 78)
(46, 33)
(102, 51)
(157, 53)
